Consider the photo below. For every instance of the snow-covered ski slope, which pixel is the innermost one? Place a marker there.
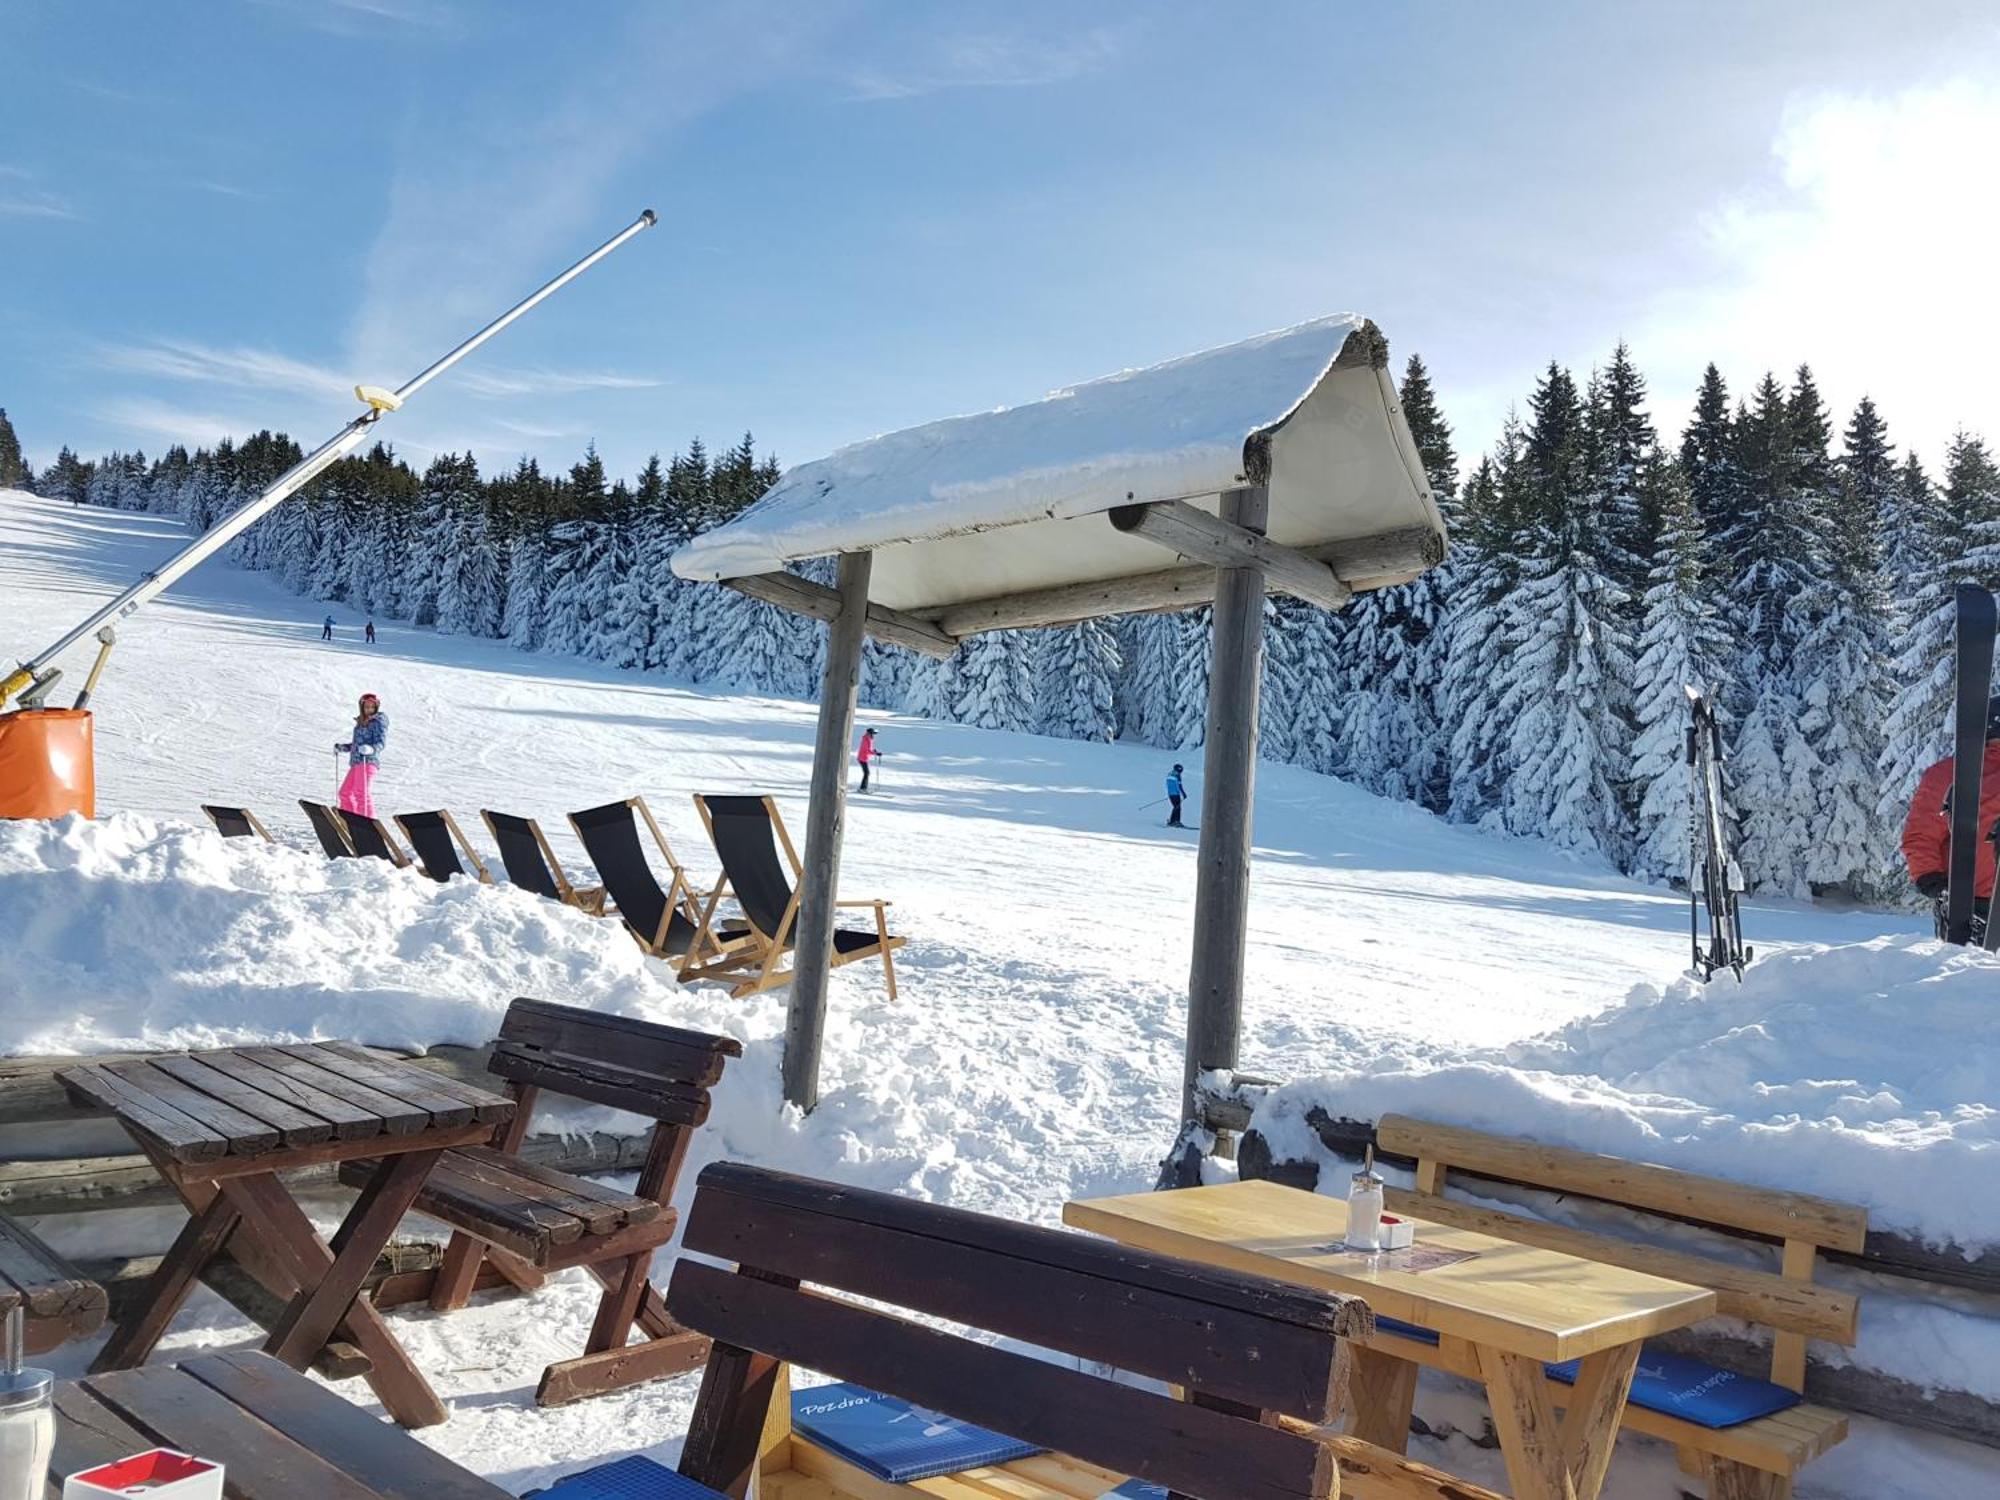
(1035, 1053)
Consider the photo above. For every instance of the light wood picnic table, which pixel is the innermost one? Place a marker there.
(1500, 1310)
(220, 1126)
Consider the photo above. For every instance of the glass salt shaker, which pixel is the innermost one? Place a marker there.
(27, 1420)
(1364, 1207)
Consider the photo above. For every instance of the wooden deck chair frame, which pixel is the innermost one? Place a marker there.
(329, 826)
(680, 897)
(585, 899)
(767, 949)
(477, 865)
(217, 813)
(391, 851)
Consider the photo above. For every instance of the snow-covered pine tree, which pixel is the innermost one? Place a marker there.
(573, 546)
(1681, 645)
(1623, 441)
(618, 625)
(1192, 637)
(469, 599)
(1708, 459)
(14, 471)
(995, 682)
(1278, 695)
(932, 686)
(68, 478)
(1145, 695)
(1476, 647)
(1073, 689)
(1912, 523)
(527, 584)
(1966, 549)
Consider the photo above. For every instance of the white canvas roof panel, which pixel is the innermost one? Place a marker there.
(1012, 500)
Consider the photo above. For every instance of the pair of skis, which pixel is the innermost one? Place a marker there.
(1715, 880)
(1963, 922)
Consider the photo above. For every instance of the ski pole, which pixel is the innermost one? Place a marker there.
(350, 437)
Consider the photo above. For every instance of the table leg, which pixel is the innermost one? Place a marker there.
(1525, 1418)
(1381, 1391)
(271, 1215)
(198, 1243)
(1590, 1424)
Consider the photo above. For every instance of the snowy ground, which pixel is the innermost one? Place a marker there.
(1033, 1056)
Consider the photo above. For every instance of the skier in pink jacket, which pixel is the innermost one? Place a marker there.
(866, 754)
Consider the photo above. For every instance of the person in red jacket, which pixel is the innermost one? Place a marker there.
(867, 755)
(1927, 830)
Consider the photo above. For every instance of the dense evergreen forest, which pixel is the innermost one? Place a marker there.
(1531, 684)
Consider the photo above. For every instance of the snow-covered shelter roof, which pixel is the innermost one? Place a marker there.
(1011, 501)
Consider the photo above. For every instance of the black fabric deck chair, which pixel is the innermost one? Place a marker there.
(237, 823)
(438, 840)
(371, 840)
(329, 825)
(667, 923)
(748, 833)
(532, 865)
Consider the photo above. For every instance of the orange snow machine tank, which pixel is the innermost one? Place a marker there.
(48, 768)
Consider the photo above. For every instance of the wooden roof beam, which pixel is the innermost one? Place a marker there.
(804, 597)
(1202, 538)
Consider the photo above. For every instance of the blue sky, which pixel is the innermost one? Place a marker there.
(217, 217)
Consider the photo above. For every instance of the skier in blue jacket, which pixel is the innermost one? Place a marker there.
(1175, 792)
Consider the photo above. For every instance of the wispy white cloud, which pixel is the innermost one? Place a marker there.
(1868, 256)
(33, 203)
(988, 62)
(246, 368)
(227, 189)
(533, 382)
(356, 18)
(141, 417)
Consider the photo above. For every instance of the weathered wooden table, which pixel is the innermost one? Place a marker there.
(277, 1435)
(220, 1126)
(1499, 1309)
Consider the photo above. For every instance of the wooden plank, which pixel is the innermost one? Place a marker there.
(1768, 1211)
(1788, 1349)
(200, 1240)
(1530, 1438)
(1755, 1296)
(694, 1057)
(725, 1436)
(180, 1136)
(1371, 1473)
(389, 1463)
(309, 1068)
(88, 1433)
(1183, 1447)
(471, 1196)
(246, 1134)
(1144, 593)
(333, 1152)
(1222, 543)
(1222, 857)
(601, 1209)
(58, 1302)
(260, 1463)
(573, 1379)
(804, 597)
(295, 1126)
(601, 1083)
(1381, 1393)
(1590, 1424)
(394, 1076)
(1011, 1287)
(826, 820)
(346, 1121)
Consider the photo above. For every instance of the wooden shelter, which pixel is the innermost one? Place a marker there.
(1281, 463)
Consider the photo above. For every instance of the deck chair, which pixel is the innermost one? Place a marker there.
(529, 1219)
(237, 823)
(667, 923)
(329, 825)
(532, 865)
(747, 833)
(437, 840)
(371, 839)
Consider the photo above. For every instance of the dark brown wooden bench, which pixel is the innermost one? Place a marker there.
(527, 1219)
(57, 1303)
(1753, 1460)
(1259, 1362)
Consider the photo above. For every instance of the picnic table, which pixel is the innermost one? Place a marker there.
(220, 1126)
(1499, 1310)
(277, 1435)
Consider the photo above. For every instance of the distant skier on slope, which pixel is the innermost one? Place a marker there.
(368, 632)
(326, 628)
(1175, 792)
(866, 755)
(364, 753)
(1927, 830)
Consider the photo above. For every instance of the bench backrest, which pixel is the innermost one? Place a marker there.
(746, 833)
(235, 822)
(330, 828)
(1242, 1346)
(436, 838)
(1802, 1225)
(662, 1072)
(526, 855)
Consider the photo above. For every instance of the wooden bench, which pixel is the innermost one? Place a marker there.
(1261, 1363)
(57, 1304)
(1752, 1461)
(526, 1219)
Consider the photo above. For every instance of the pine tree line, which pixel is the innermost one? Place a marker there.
(1532, 684)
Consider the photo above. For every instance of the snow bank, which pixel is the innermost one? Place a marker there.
(1864, 1072)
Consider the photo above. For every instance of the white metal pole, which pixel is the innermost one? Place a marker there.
(301, 473)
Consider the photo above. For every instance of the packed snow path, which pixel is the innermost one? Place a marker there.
(1036, 1052)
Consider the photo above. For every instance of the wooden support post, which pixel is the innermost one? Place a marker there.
(1222, 881)
(826, 813)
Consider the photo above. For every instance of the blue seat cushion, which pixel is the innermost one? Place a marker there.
(1404, 1330)
(1679, 1386)
(634, 1478)
(893, 1439)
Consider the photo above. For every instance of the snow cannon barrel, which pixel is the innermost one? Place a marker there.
(48, 765)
